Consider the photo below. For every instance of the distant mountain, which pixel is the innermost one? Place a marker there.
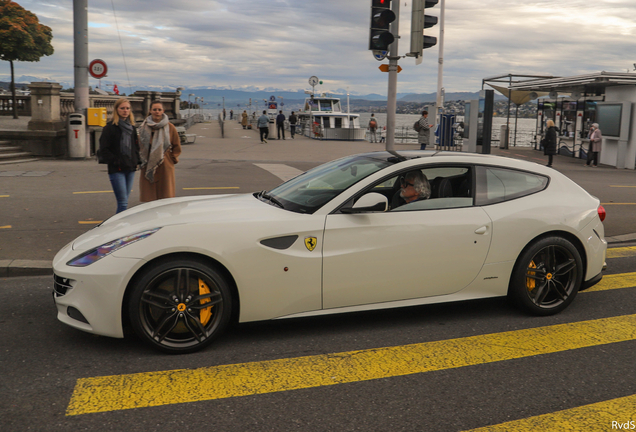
(241, 97)
(432, 97)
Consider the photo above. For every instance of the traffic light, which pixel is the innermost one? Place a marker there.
(419, 22)
(381, 18)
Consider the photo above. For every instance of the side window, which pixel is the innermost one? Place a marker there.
(447, 186)
(496, 185)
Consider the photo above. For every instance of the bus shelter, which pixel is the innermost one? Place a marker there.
(575, 102)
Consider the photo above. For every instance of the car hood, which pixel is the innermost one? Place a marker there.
(176, 211)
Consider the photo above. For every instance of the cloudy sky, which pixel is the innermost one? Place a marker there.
(279, 44)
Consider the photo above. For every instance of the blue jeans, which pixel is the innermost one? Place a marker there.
(122, 186)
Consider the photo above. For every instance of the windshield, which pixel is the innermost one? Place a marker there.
(311, 190)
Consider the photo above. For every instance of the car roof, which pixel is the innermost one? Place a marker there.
(403, 155)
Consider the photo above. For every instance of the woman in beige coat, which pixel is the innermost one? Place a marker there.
(160, 148)
(244, 120)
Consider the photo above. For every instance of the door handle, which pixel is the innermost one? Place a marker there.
(481, 230)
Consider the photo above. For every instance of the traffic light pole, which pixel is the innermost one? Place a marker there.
(440, 65)
(391, 103)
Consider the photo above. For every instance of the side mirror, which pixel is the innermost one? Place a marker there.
(371, 202)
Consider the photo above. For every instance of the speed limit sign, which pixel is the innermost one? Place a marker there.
(97, 69)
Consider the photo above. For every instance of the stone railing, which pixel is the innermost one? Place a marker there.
(23, 104)
(139, 102)
(49, 108)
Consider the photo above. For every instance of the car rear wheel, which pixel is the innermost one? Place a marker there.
(547, 276)
(180, 306)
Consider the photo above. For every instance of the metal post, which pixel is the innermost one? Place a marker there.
(440, 62)
(391, 103)
(80, 45)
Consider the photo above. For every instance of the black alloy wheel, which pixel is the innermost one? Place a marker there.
(180, 306)
(547, 276)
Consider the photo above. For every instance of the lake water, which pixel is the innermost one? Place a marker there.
(404, 125)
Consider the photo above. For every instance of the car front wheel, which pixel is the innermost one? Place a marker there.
(547, 276)
(180, 306)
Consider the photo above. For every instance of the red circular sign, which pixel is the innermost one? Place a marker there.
(98, 68)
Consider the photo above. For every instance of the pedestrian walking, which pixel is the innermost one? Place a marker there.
(119, 148)
(160, 149)
(244, 119)
(293, 120)
(263, 126)
(550, 141)
(373, 126)
(596, 138)
(231, 114)
(280, 124)
(383, 135)
(423, 129)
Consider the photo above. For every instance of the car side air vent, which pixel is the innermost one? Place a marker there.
(280, 242)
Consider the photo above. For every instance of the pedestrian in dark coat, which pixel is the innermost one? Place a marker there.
(550, 142)
(119, 148)
(280, 124)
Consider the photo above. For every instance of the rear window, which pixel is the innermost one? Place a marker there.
(496, 185)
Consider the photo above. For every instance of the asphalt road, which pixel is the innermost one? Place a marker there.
(42, 361)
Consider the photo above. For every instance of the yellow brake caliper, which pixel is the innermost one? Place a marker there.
(531, 283)
(206, 313)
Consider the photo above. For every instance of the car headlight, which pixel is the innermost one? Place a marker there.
(93, 255)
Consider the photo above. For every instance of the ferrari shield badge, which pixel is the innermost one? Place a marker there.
(311, 243)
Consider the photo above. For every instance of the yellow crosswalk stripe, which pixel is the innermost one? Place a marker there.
(119, 392)
(615, 281)
(615, 414)
(215, 188)
(621, 252)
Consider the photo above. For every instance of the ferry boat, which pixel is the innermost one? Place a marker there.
(322, 118)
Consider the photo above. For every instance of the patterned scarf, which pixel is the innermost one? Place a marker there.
(125, 143)
(153, 147)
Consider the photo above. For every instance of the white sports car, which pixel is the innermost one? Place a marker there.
(368, 231)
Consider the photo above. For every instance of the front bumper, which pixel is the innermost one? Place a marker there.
(90, 298)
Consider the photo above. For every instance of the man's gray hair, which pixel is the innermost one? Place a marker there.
(420, 183)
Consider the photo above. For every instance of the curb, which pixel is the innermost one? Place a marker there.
(14, 268)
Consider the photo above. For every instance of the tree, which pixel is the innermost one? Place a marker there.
(22, 38)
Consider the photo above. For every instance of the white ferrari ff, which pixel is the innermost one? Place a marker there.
(346, 236)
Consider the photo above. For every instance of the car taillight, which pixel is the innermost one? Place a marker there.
(601, 213)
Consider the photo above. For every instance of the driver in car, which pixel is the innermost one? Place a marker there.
(414, 187)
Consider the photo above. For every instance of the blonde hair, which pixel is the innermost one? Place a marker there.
(550, 123)
(131, 117)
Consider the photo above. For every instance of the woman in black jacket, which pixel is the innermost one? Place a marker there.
(119, 148)
(550, 142)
